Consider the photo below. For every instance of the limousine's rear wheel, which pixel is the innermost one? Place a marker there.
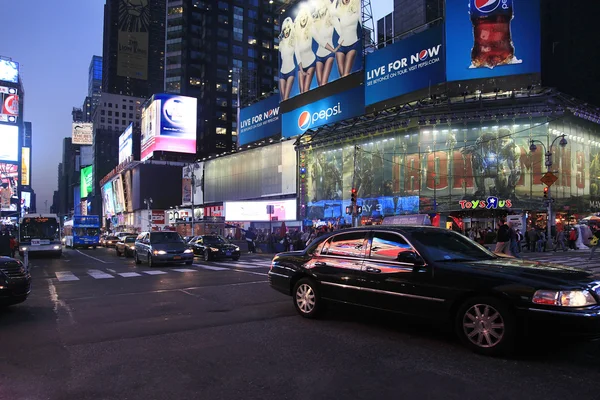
(486, 325)
(307, 299)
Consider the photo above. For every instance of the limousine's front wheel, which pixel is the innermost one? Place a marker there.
(307, 299)
(486, 325)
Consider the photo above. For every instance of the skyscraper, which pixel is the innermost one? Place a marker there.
(410, 14)
(133, 47)
(219, 52)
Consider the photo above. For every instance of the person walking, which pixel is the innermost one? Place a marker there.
(533, 237)
(13, 246)
(560, 240)
(594, 242)
(250, 237)
(572, 238)
(503, 239)
(514, 240)
(541, 238)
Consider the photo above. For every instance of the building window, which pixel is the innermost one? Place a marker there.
(130, 115)
(222, 102)
(110, 104)
(251, 40)
(110, 120)
(109, 113)
(116, 113)
(222, 60)
(102, 112)
(266, 44)
(223, 33)
(221, 115)
(222, 46)
(222, 87)
(102, 119)
(223, 19)
(195, 81)
(252, 14)
(124, 106)
(221, 131)
(238, 50)
(251, 53)
(130, 107)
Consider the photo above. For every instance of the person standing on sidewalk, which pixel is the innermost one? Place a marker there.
(594, 241)
(250, 237)
(560, 240)
(514, 240)
(503, 239)
(572, 238)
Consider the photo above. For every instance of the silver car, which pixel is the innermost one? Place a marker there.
(162, 247)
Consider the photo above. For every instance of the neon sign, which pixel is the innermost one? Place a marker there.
(491, 203)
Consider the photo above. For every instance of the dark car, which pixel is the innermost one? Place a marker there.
(15, 281)
(110, 241)
(211, 247)
(125, 246)
(442, 275)
(162, 247)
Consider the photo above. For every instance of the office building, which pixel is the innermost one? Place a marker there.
(385, 30)
(412, 14)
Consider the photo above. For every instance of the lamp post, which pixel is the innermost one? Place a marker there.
(191, 169)
(548, 153)
(148, 203)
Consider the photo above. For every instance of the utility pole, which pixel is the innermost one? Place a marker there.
(193, 190)
(148, 203)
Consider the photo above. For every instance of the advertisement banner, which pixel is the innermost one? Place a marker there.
(25, 166)
(119, 196)
(186, 195)
(320, 41)
(126, 144)
(9, 104)
(259, 121)
(256, 211)
(87, 182)
(158, 217)
(408, 65)
(326, 111)
(9, 71)
(9, 182)
(492, 38)
(83, 133)
(108, 200)
(9, 138)
(169, 124)
(25, 200)
(132, 55)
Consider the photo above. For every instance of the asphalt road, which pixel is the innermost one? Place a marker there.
(100, 327)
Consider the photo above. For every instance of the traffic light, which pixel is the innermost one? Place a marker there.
(353, 194)
(546, 192)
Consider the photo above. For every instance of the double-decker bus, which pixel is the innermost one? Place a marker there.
(40, 233)
(82, 231)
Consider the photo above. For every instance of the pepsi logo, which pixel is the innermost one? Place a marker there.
(423, 55)
(486, 6)
(304, 120)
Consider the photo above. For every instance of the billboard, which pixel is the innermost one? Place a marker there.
(259, 121)
(126, 144)
(320, 41)
(326, 111)
(169, 124)
(87, 181)
(25, 166)
(405, 66)
(108, 200)
(83, 133)
(9, 138)
(9, 186)
(493, 38)
(9, 104)
(25, 200)
(132, 50)
(256, 211)
(119, 195)
(9, 71)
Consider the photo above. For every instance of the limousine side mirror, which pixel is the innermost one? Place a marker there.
(411, 257)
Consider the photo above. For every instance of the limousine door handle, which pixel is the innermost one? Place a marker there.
(373, 270)
(320, 264)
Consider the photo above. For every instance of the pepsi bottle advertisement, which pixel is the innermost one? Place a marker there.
(326, 111)
(492, 38)
(408, 65)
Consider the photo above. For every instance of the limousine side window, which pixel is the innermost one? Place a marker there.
(387, 246)
(349, 244)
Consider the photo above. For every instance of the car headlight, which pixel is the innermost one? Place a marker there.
(236, 249)
(23, 248)
(64, 240)
(564, 298)
(188, 251)
(56, 247)
(132, 247)
(213, 249)
(159, 252)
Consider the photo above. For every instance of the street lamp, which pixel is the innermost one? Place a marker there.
(148, 203)
(548, 152)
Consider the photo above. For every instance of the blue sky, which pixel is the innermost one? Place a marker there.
(54, 42)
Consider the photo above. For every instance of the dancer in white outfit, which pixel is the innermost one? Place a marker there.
(349, 14)
(322, 32)
(305, 57)
(286, 52)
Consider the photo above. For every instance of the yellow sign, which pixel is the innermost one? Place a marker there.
(25, 166)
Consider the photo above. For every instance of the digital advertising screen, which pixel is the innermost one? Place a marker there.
(9, 110)
(169, 124)
(326, 111)
(87, 181)
(259, 121)
(9, 140)
(256, 211)
(9, 186)
(320, 42)
(83, 133)
(119, 195)
(25, 166)
(9, 71)
(108, 199)
(492, 38)
(411, 64)
(25, 200)
(126, 144)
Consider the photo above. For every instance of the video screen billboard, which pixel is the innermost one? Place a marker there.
(87, 181)
(83, 133)
(9, 140)
(9, 186)
(119, 196)
(326, 111)
(9, 104)
(492, 38)
(9, 71)
(405, 66)
(25, 200)
(108, 199)
(169, 124)
(259, 121)
(25, 166)
(126, 144)
(320, 41)
(256, 211)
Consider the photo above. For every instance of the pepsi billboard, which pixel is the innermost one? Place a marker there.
(260, 120)
(320, 42)
(326, 111)
(408, 65)
(492, 38)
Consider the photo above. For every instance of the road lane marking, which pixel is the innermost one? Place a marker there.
(111, 270)
(97, 274)
(209, 267)
(65, 276)
(154, 272)
(93, 258)
(245, 266)
(58, 303)
(184, 270)
(129, 274)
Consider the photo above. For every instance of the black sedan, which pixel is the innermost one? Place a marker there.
(15, 281)
(125, 246)
(442, 275)
(214, 247)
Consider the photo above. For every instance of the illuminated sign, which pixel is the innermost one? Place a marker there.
(9, 104)
(87, 181)
(9, 140)
(126, 144)
(9, 187)
(132, 39)
(83, 133)
(256, 211)
(9, 71)
(25, 166)
(259, 121)
(491, 203)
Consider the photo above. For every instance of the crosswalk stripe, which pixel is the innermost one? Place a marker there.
(129, 274)
(97, 274)
(154, 272)
(243, 266)
(184, 270)
(210, 267)
(65, 276)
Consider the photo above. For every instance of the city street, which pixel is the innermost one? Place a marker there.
(100, 327)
